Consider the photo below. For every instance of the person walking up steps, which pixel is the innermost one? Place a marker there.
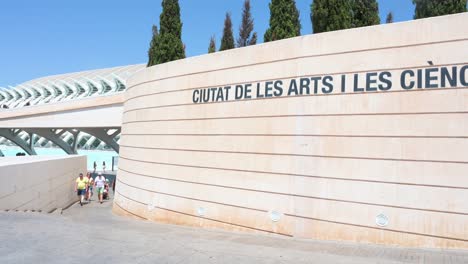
(103, 166)
(80, 187)
(89, 190)
(99, 182)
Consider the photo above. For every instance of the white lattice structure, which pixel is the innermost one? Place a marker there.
(63, 87)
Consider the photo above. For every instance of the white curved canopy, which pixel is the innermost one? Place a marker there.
(70, 86)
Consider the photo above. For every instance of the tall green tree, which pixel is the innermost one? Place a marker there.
(365, 13)
(227, 41)
(153, 47)
(431, 8)
(389, 18)
(212, 46)
(284, 20)
(246, 28)
(253, 39)
(330, 15)
(169, 42)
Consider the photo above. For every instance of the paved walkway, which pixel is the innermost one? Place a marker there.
(93, 234)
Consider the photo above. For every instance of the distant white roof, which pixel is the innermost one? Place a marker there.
(62, 87)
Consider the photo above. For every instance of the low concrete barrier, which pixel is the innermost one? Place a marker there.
(39, 183)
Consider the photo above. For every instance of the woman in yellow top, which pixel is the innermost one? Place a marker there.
(80, 187)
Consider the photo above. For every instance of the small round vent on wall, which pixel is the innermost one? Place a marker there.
(275, 216)
(201, 211)
(381, 220)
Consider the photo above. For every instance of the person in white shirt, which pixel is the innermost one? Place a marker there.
(99, 182)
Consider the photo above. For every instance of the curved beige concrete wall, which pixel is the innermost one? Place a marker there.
(39, 183)
(385, 165)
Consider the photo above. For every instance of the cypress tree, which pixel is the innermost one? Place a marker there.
(212, 46)
(330, 15)
(170, 46)
(389, 18)
(227, 41)
(431, 8)
(365, 13)
(246, 27)
(153, 47)
(284, 20)
(253, 39)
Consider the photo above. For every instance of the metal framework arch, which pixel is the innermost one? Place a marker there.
(60, 137)
(13, 136)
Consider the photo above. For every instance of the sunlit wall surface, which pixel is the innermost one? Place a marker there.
(356, 135)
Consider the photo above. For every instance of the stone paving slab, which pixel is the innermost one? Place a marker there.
(93, 233)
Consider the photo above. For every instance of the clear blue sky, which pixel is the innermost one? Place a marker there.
(40, 38)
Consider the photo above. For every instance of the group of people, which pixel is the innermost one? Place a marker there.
(84, 187)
